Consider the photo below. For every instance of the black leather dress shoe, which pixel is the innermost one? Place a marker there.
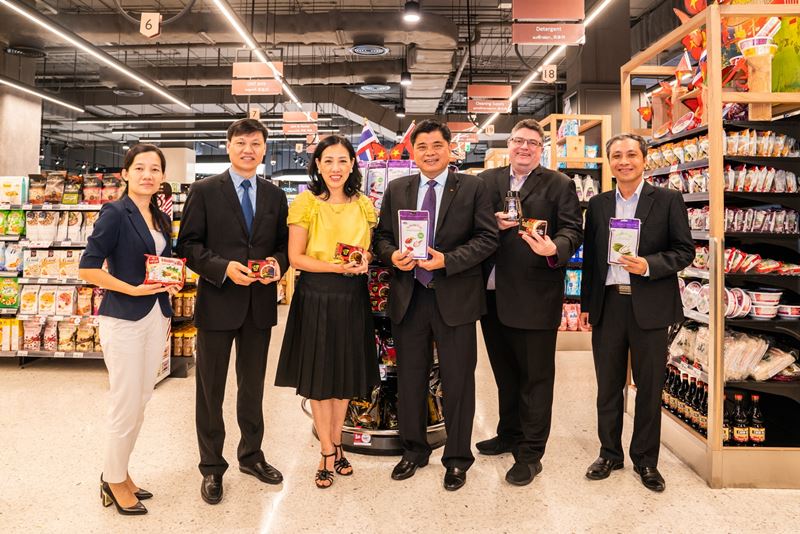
(263, 472)
(211, 489)
(522, 474)
(454, 478)
(651, 478)
(601, 468)
(494, 446)
(143, 494)
(406, 469)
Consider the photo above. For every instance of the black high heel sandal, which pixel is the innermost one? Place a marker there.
(324, 478)
(143, 494)
(107, 497)
(341, 464)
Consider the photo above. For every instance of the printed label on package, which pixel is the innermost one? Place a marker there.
(623, 238)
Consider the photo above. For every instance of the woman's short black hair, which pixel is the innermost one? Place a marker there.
(429, 126)
(352, 185)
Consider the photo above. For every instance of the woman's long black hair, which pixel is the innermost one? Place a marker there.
(160, 219)
(352, 185)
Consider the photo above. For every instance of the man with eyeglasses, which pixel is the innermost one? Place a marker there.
(228, 219)
(525, 290)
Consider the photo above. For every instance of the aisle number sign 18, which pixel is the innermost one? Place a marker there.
(549, 73)
(150, 25)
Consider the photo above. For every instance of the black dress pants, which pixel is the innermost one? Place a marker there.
(457, 348)
(523, 363)
(213, 356)
(615, 335)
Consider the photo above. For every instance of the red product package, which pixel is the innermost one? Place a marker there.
(349, 253)
(261, 269)
(563, 326)
(750, 262)
(163, 270)
(768, 266)
(572, 317)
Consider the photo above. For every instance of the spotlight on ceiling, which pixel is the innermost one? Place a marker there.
(400, 111)
(411, 11)
(405, 78)
(222, 145)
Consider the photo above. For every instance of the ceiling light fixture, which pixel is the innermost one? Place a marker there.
(400, 111)
(503, 4)
(157, 120)
(249, 40)
(163, 132)
(556, 52)
(411, 11)
(156, 140)
(87, 47)
(19, 86)
(405, 78)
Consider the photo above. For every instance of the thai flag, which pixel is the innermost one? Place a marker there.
(365, 143)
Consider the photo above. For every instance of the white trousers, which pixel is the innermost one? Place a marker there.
(133, 351)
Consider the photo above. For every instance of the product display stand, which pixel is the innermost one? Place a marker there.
(726, 466)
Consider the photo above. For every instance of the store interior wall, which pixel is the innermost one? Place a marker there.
(18, 146)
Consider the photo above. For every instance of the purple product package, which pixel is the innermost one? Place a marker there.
(623, 238)
(414, 228)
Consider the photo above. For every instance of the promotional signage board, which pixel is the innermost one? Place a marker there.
(547, 10)
(489, 106)
(255, 69)
(299, 128)
(256, 87)
(299, 116)
(488, 91)
(536, 33)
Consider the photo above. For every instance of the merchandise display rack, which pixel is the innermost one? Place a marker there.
(596, 128)
(726, 466)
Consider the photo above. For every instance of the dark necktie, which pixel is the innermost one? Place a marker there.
(429, 205)
(247, 206)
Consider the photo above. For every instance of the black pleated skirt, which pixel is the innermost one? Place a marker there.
(328, 349)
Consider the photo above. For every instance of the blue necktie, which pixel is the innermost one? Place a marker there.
(247, 206)
(429, 205)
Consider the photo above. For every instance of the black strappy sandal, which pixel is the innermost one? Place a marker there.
(341, 464)
(324, 478)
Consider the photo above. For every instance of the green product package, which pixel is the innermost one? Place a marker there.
(9, 293)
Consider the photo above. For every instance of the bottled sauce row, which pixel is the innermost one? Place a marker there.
(687, 398)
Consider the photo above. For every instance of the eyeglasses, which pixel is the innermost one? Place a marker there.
(521, 141)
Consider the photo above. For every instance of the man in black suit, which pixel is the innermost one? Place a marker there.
(630, 306)
(525, 283)
(229, 219)
(437, 299)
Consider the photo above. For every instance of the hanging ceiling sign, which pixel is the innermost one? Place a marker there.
(300, 116)
(459, 127)
(150, 25)
(486, 105)
(256, 87)
(547, 10)
(299, 128)
(488, 98)
(255, 69)
(536, 33)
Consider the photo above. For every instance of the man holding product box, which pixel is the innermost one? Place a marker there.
(228, 220)
(525, 283)
(437, 298)
(637, 239)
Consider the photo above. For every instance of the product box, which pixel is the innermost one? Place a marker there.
(264, 269)
(531, 226)
(414, 238)
(163, 270)
(623, 238)
(349, 253)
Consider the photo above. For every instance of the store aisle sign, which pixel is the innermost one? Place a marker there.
(488, 98)
(300, 116)
(547, 10)
(486, 105)
(256, 87)
(549, 73)
(255, 69)
(299, 128)
(523, 33)
(150, 25)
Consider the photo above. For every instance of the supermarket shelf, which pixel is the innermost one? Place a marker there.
(53, 281)
(8, 311)
(700, 235)
(691, 272)
(695, 315)
(695, 197)
(53, 244)
(789, 164)
(52, 207)
(696, 132)
(179, 366)
(52, 354)
(44, 317)
(679, 421)
(789, 327)
(784, 389)
(791, 200)
(791, 241)
(790, 282)
(661, 171)
(578, 170)
(775, 126)
(182, 319)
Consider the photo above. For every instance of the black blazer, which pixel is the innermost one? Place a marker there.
(665, 242)
(213, 233)
(466, 232)
(529, 291)
(122, 237)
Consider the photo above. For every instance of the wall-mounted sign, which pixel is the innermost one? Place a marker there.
(547, 34)
(255, 69)
(547, 10)
(256, 87)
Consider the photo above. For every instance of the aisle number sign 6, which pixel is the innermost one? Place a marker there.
(549, 73)
(150, 25)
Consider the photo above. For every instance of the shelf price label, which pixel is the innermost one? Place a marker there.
(59, 354)
(77, 355)
(150, 25)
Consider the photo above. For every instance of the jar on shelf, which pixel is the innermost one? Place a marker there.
(177, 344)
(177, 304)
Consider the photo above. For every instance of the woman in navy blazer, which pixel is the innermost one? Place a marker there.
(133, 317)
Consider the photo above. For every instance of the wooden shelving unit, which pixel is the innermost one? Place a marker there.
(596, 127)
(753, 467)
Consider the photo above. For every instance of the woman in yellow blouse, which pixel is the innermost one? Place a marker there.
(328, 351)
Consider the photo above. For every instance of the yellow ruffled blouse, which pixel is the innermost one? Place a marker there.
(329, 224)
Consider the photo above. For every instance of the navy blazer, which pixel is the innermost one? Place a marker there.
(122, 237)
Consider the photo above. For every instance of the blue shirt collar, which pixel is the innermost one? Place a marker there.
(238, 178)
(440, 179)
(634, 197)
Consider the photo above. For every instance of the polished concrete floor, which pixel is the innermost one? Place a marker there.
(51, 435)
